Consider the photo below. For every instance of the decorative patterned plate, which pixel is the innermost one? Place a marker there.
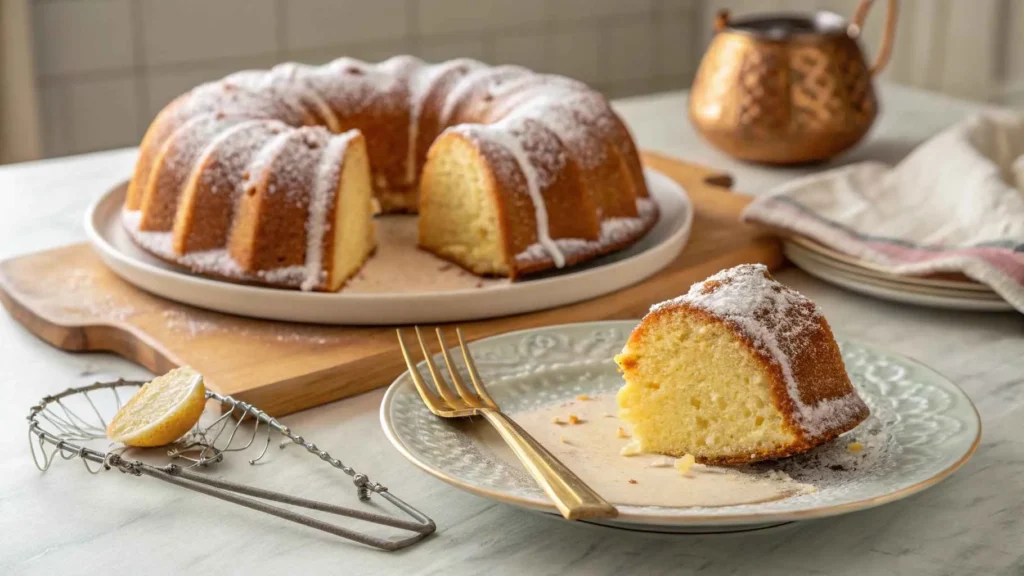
(399, 296)
(925, 427)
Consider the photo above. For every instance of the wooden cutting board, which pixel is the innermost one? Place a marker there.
(69, 299)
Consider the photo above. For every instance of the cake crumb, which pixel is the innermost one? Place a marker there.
(855, 447)
(564, 440)
(631, 481)
(557, 420)
(574, 419)
(621, 432)
(630, 449)
(608, 415)
(685, 463)
(583, 397)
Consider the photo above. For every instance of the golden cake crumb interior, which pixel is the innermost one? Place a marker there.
(693, 384)
(458, 213)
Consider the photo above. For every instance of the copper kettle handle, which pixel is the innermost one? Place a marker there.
(885, 51)
(721, 20)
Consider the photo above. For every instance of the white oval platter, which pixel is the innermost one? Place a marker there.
(493, 299)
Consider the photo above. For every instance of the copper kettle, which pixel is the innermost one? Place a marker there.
(785, 89)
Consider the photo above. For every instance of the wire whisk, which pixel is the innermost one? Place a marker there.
(72, 425)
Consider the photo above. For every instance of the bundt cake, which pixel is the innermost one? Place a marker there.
(738, 369)
(268, 176)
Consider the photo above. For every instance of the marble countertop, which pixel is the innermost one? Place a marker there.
(69, 522)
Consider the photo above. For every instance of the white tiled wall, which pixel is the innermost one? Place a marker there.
(106, 67)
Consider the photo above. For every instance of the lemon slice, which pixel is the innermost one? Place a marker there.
(162, 411)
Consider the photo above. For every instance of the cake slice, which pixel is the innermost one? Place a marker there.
(305, 217)
(738, 369)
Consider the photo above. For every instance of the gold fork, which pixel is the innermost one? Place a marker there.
(571, 496)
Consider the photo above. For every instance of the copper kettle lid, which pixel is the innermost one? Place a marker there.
(784, 26)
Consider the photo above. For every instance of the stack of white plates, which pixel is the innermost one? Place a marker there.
(947, 291)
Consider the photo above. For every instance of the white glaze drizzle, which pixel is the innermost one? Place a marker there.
(614, 231)
(327, 173)
(777, 321)
(458, 92)
(420, 86)
(260, 163)
(219, 141)
(499, 135)
(299, 76)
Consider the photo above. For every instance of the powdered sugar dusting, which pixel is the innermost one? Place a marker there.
(421, 84)
(325, 183)
(189, 140)
(257, 167)
(501, 135)
(194, 322)
(778, 321)
(217, 262)
(572, 112)
(493, 77)
(614, 232)
(90, 299)
(227, 98)
(548, 119)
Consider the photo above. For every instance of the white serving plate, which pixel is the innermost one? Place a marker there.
(871, 270)
(907, 294)
(603, 275)
(930, 426)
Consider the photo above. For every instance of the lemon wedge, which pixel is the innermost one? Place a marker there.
(162, 411)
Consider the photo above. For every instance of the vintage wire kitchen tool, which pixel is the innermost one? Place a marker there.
(573, 498)
(62, 424)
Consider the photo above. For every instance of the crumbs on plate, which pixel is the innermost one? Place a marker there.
(632, 448)
(685, 463)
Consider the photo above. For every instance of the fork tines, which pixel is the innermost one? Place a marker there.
(462, 401)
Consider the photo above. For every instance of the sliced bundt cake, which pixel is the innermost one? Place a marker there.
(524, 172)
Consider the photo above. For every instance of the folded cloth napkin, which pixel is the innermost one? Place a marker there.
(955, 204)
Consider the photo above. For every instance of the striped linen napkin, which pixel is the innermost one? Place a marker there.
(955, 204)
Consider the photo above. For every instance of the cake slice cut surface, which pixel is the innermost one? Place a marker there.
(738, 369)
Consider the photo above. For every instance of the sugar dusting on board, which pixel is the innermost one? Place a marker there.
(195, 323)
(89, 298)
